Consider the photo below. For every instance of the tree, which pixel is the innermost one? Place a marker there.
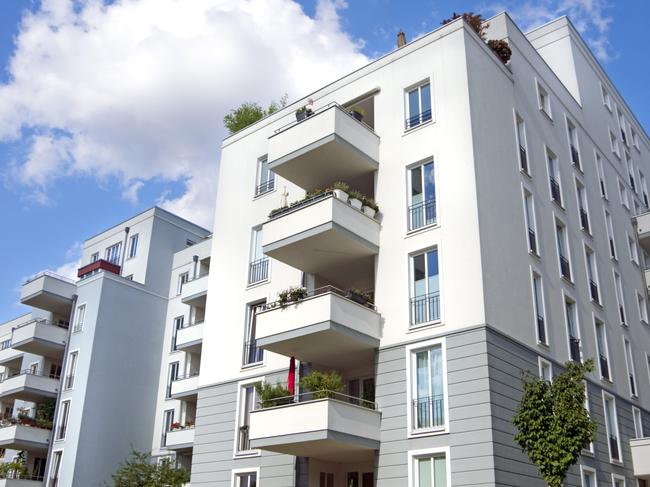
(552, 423)
(479, 25)
(140, 471)
(250, 112)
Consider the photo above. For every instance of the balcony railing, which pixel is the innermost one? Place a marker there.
(532, 240)
(44, 322)
(574, 349)
(555, 191)
(14, 373)
(252, 354)
(303, 397)
(418, 119)
(565, 268)
(593, 290)
(258, 270)
(422, 214)
(541, 329)
(190, 324)
(425, 308)
(603, 191)
(575, 156)
(265, 187)
(604, 366)
(428, 412)
(584, 220)
(523, 159)
(364, 298)
(613, 447)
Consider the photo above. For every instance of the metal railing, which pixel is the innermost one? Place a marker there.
(310, 396)
(252, 353)
(584, 220)
(14, 475)
(523, 159)
(45, 322)
(318, 111)
(190, 324)
(38, 372)
(604, 366)
(422, 214)
(593, 290)
(265, 187)
(425, 308)
(575, 156)
(51, 274)
(556, 194)
(574, 349)
(188, 375)
(297, 205)
(541, 329)
(613, 447)
(532, 240)
(418, 119)
(565, 268)
(243, 439)
(364, 299)
(428, 412)
(258, 270)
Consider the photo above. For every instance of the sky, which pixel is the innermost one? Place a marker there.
(109, 107)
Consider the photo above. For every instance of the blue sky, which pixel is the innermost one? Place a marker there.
(82, 149)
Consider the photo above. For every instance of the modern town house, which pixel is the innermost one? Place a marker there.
(511, 236)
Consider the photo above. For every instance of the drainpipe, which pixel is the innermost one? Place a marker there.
(61, 386)
(195, 258)
(126, 241)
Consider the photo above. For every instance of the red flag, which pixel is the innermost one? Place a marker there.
(292, 376)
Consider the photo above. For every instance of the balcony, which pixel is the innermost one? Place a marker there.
(40, 337)
(190, 337)
(641, 457)
(28, 386)
(323, 235)
(327, 429)
(97, 266)
(184, 387)
(10, 357)
(50, 292)
(643, 230)
(180, 439)
(326, 328)
(23, 437)
(194, 292)
(328, 146)
(22, 482)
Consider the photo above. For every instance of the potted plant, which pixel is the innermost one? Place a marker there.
(356, 198)
(292, 295)
(303, 112)
(370, 207)
(174, 426)
(501, 49)
(358, 296)
(341, 190)
(358, 113)
(322, 384)
(272, 395)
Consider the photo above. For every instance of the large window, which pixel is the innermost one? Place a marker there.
(425, 288)
(583, 211)
(610, 234)
(113, 252)
(629, 363)
(62, 424)
(133, 246)
(602, 349)
(522, 145)
(253, 354)
(592, 275)
(72, 369)
(427, 389)
(265, 177)
(554, 177)
(563, 250)
(538, 301)
(572, 330)
(611, 425)
(247, 400)
(572, 134)
(258, 269)
(418, 105)
(620, 299)
(428, 469)
(80, 318)
(422, 196)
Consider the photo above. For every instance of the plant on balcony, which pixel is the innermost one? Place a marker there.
(341, 190)
(292, 295)
(322, 384)
(356, 199)
(272, 395)
(359, 296)
(140, 469)
(176, 425)
(248, 113)
(553, 426)
(476, 22)
(370, 207)
(358, 113)
(189, 424)
(13, 470)
(303, 112)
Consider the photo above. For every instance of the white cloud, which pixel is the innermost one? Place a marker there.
(589, 17)
(137, 89)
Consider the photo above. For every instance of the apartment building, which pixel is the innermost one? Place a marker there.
(510, 237)
(91, 349)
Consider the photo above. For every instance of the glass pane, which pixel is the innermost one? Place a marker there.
(432, 271)
(429, 182)
(414, 106)
(424, 472)
(570, 319)
(422, 389)
(416, 185)
(425, 98)
(440, 472)
(419, 283)
(265, 174)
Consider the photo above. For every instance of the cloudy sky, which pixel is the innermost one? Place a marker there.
(110, 107)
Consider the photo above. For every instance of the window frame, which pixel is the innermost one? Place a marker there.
(413, 455)
(63, 413)
(616, 477)
(409, 195)
(133, 246)
(638, 427)
(642, 304)
(51, 467)
(544, 100)
(248, 329)
(612, 399)
(109, 251)
(238, 472)
(583, 204)
(411, 287)
(591, 265)
(570, 301)
(620, 298)
(80, 322)
(533, 274)
(270, 182)
(564, 238)
(573, 140)
(181, 282)
(630, 368)
(238, 413)
(600, 170)
(604, 352)
(71, 369)
(607, 99)
(522, 144)
(530, 221)
(541, 363)
(407, 108)
(591, 471)
(554, 175)
(614, 145)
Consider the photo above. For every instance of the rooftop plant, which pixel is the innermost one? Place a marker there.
(250, 112)
(478, 24)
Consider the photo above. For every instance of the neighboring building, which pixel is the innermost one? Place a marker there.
(506, 241)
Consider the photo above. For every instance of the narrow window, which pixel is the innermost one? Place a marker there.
(183, 279)
(113, 252)
(630, 171)
(572, 133)
(635, 139)
(623, 125)
(265, 177)
(422, 196)
(94, 257)
(613, 141)
(603, 352)
(178, 324)
(583, 212)
(521, 142)
(172, 375)
(544, 101)
(247, 400)
(588, 478)
(634, 252)
(80, 318)
(554, 178)
(62, 425)
(418, 105)
(592, 275)
(429, 471)
(530, 222)
(619, 297)
(72, 369)
(629, 363)
(643, 309)
(562, 250)
(638, 423)
(545, 370)
(572, 330)
(625, 201)
(611, 425)
(258, 268)
(644, 190)
(55, 468)
(538, 298)
(133, 245)
(607, 101)
(610, 235)
(425, 288)
(428, 411)
(601, 176)
(253, 354)
(168, 420)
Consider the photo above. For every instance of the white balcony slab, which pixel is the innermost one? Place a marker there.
(40, 338)
(326, 329)
(49, 292)
(21, 437)
(194, 292)
(641, 457)
(20, 483)
(327, 237)
(185, 388)
(327, 429)
(28, 387)
(190, 339)
(9, 356)
(328, 146)
(180, 439)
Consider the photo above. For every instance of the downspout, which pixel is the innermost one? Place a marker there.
(126, 241)
(64, 364)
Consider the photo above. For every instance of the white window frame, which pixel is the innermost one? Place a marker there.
(620, 478)
(410, 380)
(635, 139)
(519, 121)
(583, 204)
(638, 426)
(181, 282)
(109, 251)
(71, 369)
(80, 320)
(533, 273)
(606, 396)
(607, 99)
(620, 298)
(600, 169)
(622, 192)
(51, 467)
(560, 224)
(572, 137)
(60, 417)
(237, 472)
(407, 108)
(133, 246)
(633, 250)
(605, 352)
(258, 178)
(428, 452)
(583, 469)
(530, 220)
(240, 392)
(543, 100)
(630, 368)
(409, 186)
(613, 143)
(411, 290)
(555, 174)
(94, 257)
(566, 300)
(541, 363)
(643, 308)
(593, 265)
(609, 226)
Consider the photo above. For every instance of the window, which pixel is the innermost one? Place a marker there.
(246, 479)
(168, 420)
(538, 299)
(425, 288)
(326, 479)
(544, 100)
(629, 363)
(72, 369)
(602, 350)
(583, 212)
(618, 481)
(94, 257)
(630, 171)
(622, 190)
(112, 254)
(644, 190)
(252, 353)
(623, 126)
(545, 370)
(572, 330)
(265, 177)
(601, 175)
(638, 423)
(611, 425)
(562, 250)
(422, 196)
(634, 252)
(613, 142)
(172, 375)
(80, 318)
(635, 139)
(607, 101)
(521, 143)
(554, 177)
(258, 269)
(588, 477)
(418, 105)
(592, 275)
(178, 324)
(427, 388)
(610, 235)
(643, 309)
(529, 215)
(619, 297)
(247, 400)
(428, 469)
(55, 468)
(183, 279)
(590, 447)
(133, 246)
(62, 425)
(572, 134)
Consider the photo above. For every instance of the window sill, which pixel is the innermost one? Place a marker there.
(607, 380)
(586, 232)
(546, 114)
(418, 127)
(247, 454)
(422, 326)
(255, 365)
(534, 254)
(257, 284)
(558, 204)
(546, 346)
(428, 432)
(261, 195)
(588, 453)
(596, 303)
(578, 167)
(613, 461)
(422, 229)
(567, 280)
(525, 173)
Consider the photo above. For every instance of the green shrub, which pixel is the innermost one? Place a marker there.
(323, 385)
(272, 395)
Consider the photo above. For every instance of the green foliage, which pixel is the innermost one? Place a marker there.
(272, 395)
(45, 410)
(341, 185)
(552, 423)
(15, 469)
(355, 194)
(140, 471)
(250, 112)
(367, 201)
(292, 295)
(323, 384)
(475, 21)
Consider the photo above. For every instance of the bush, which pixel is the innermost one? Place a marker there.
(140, 470)
(475, 21)
(272, 395)
(323, 385)
(501, 49)
(292, 295)
(13, 470)
(342, 186)
(250, 112)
